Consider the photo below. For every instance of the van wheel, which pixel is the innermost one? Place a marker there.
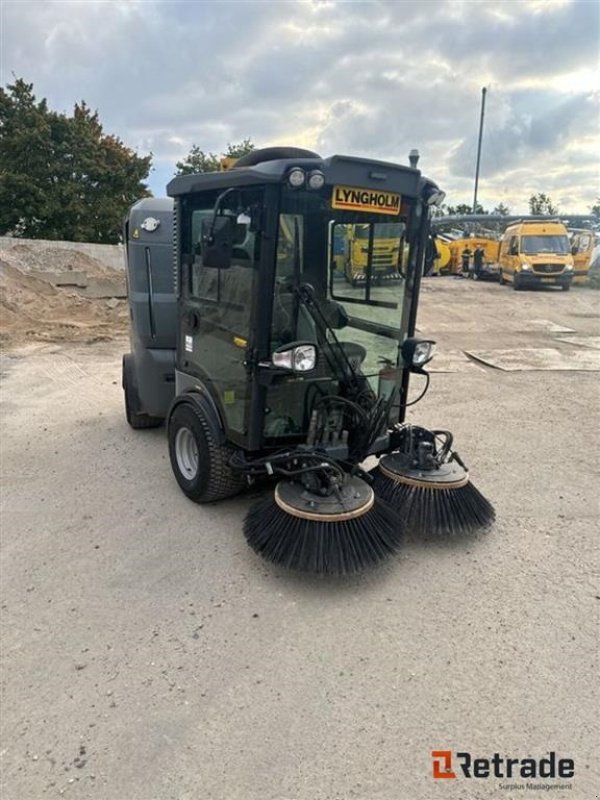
(136, 419)
(516, 283)
(501, 278)
(565, 287)
(199, 462)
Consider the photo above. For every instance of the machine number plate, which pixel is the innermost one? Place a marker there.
(353, 198)
(547, 280)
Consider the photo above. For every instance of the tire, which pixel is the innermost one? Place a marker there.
(565, 287)
(200, 464)
(516, 283)
(136, 419)
(501, 278)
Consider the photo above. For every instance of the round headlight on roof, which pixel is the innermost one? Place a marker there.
(316, 180)
(296, 177)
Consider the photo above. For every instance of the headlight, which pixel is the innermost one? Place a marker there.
(316, 180)
(298, 358)
(525, 267)
(423, 353)
(569, 267)
(417, 352)
(296, 177)
(304, 358)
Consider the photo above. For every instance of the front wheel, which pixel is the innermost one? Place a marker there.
(200, 464)
(501, 278)
(565, 287)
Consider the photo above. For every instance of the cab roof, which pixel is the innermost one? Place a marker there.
(338, 170)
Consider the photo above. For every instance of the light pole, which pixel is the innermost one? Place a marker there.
(483, 94)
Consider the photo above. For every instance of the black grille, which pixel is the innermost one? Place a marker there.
(548, 269)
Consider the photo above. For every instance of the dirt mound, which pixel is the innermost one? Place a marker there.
(55, 259)
(31, 308)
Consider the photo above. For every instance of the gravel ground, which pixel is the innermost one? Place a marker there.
(148, 654)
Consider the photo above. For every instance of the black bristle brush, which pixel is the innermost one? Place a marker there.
(440, 501)
(340, 534)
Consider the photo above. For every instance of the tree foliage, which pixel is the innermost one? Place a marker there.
(460, 209)
(62, 176)
(595, 209)
(501, 210)
(198, 160)
(541, 204)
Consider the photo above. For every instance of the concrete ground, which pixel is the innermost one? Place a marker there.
(148, 654)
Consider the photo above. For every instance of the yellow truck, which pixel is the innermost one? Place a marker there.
(386, 254)
(536, 253)
(490, 254)
(582, 247)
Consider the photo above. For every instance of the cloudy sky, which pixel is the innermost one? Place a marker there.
(373, 78)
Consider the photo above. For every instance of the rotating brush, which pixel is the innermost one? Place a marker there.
(429, 487)
(341, 533)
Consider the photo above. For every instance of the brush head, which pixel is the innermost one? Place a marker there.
(338, 534)
(439, 501)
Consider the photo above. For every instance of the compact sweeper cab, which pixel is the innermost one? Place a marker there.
(283, 368)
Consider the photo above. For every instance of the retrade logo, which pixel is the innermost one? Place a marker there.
(442, 764)
(498, 766)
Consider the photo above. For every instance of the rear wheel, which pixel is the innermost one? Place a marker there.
(199, 462)
(136, 419)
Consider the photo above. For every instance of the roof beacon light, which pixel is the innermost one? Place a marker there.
(316, 180)
(296, 177)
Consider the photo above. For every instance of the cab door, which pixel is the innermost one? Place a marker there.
(512, 257)
(216, 315)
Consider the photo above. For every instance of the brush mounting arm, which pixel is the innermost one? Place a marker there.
(309, 466)
(424, 449)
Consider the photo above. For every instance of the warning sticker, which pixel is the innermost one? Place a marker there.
(189, 344)
(353, 198)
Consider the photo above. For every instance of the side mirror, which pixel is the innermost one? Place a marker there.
(514, 250)
(217, 242)
(416, 353)
(574, 250)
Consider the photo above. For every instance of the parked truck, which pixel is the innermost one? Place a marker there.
(536, 253)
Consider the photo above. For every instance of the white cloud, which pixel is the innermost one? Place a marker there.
(374, 78)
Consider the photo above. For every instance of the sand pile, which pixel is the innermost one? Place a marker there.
(31, 308)
(55, 260)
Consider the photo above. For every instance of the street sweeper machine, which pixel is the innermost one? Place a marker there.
(283, 369)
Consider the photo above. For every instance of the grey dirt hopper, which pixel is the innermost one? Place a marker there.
(283, 366)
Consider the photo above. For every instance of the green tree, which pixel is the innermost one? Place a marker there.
(198, 160)
(541, 204)
(464, 208)
(501, 210)
(240, 149)
(595, 209)
(61, 176)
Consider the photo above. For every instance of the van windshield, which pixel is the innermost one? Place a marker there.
(532, 245)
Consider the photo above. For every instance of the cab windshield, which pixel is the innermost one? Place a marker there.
(359, 289)
(531, 245)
